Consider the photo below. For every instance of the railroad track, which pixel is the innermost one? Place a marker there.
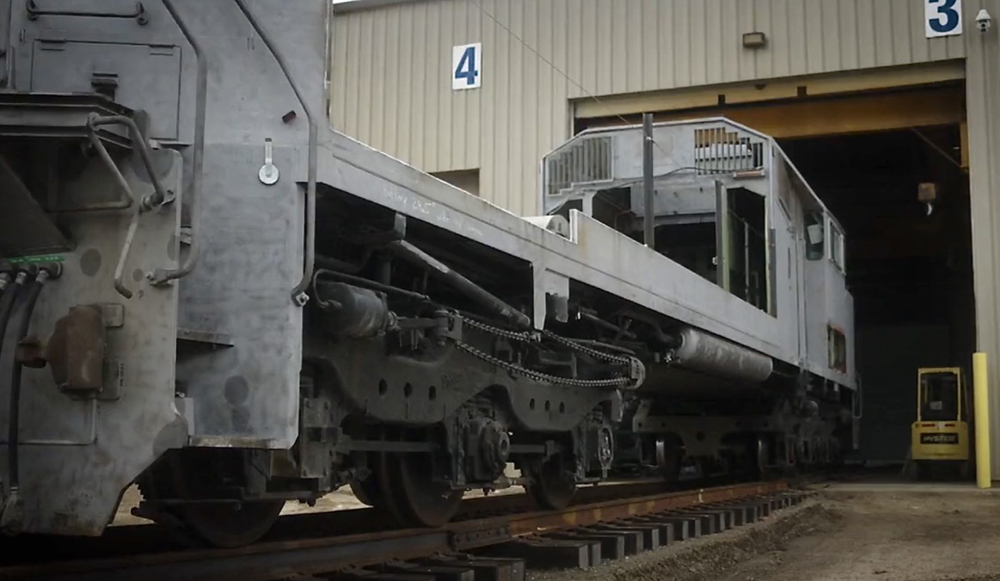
(478, 547)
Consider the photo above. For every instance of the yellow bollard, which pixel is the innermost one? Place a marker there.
(982, 410)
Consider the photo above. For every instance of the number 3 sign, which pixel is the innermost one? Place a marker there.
(942, 17)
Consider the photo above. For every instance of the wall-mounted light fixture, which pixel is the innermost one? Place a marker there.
(754, 40)
(927, 195)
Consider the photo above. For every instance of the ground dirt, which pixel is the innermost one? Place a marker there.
(839, 536)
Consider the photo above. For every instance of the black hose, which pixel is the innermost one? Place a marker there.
(331, 263)
(7, 303)
(22, 321)
(365, 283)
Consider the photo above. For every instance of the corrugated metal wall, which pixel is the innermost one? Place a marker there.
(983, 85)
(391, 84)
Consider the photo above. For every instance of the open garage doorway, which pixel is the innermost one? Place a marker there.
(909, 265)
(866, 154)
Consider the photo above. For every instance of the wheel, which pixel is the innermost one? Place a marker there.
(216, 524)
(923, 470)
(408, 492)
(367, 491)
(553, 484)
(225, 525)
(423, 501)
(387, 498)
(668, 459)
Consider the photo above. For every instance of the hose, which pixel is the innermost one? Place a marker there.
(7, 303)
(23, 321)
(365, 283)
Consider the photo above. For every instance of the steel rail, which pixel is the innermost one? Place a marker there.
(275, 560)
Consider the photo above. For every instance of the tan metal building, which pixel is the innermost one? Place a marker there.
(796, 69)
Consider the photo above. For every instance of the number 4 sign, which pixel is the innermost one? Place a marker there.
(466, 62)
(942, 17)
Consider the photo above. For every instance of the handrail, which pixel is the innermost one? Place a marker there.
(139, 13)
(299, 295)
(161, 276)
(159, 198)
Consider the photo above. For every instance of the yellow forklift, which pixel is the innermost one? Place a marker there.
(940, 437)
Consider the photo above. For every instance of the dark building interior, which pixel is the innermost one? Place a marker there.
(910, 273)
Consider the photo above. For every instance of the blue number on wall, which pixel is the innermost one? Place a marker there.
(949, 14)
(467, 65)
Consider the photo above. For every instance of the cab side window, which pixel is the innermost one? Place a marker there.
(815, 246)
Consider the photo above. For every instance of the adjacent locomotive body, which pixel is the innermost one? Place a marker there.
(217, 297)
(752, 366)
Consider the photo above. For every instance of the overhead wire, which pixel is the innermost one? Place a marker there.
(555, 68)
(595, 98)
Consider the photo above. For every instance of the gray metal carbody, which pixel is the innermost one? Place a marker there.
(226, 338)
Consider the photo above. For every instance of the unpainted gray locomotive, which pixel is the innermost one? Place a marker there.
(211, 294)
(750, 360)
